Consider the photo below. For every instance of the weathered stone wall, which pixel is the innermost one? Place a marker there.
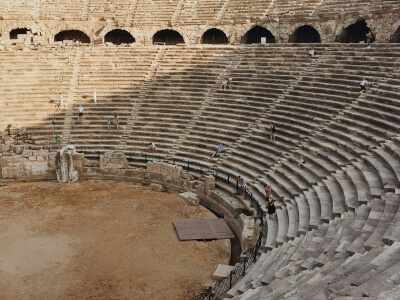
(30, 165)
(44, 31)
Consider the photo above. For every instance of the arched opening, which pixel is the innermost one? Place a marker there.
(395, 38)
(305, 34)
(355, 33)
(72, 35)
(254, 36)
(214, 36)
(119, 37)
(167, 37)
(15, 32)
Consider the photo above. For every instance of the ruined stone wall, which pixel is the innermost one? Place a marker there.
(30, 165)
(43, 32)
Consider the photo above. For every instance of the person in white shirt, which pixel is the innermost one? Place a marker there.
(81, 109)
(60, 102)
(363, 84)
(223, 84)
(94, 95)
(312, 52)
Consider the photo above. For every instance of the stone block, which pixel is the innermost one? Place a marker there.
(26, 154)
(156, 187)
(32, 158)
(6, 148)
(3, 162)
(41, 158)
(223, 271)
(165, 169)
(11, 173)
(210, 183)
(19, 149)
(190, 197)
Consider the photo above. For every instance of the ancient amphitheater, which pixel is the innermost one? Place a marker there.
(158, 65)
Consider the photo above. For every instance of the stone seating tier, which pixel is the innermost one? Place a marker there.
(337, 212)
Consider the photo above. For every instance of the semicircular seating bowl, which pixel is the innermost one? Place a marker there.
(336, 232)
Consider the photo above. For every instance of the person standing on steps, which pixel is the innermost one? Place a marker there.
(311, 53)
(95, 95)
(61, 100)
(59, 143)
(268, 190)
(116, 121)
(108, 124)
(273, 129)
(80, 115)
(271, 207)
(369, 37)
(363, 85)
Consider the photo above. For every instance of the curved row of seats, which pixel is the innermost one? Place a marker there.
(186, 12)
(337, 222)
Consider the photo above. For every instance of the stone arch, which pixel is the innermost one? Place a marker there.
(214, 36)
(118, 37)
(254, 35)
(72, 35)
(15, 32)
(395, 38)
(305, 34)
(168, 37)
(355, 33)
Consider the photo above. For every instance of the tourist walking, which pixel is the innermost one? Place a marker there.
(108, 124)
(271, 206)
(80, 115)
(268, 190)
(73, 124)
(94, 95)
(59, 143)
(273, 129)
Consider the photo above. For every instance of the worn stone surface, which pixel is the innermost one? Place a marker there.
(165, 169)
(114, 160)
(248, 233)
(29, 165)
(222, 271)
(156, 187)
(210, 183)
(64, 165)
(190, 197)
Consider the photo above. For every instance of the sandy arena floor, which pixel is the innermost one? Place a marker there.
(100, 240)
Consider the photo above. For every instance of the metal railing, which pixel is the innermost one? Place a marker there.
(214, 39)
(221, 287)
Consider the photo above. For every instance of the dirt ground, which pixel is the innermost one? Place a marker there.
(100, 240)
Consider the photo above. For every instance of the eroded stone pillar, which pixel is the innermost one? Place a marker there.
(64, 165)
